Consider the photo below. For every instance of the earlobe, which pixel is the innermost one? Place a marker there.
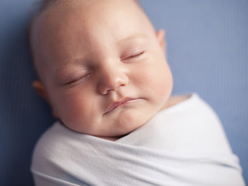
(161, 39)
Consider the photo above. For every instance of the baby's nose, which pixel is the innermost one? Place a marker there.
(112, 78)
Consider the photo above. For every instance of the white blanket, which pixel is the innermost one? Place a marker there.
(182, 145)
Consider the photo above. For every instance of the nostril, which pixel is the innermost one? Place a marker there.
(105, 89)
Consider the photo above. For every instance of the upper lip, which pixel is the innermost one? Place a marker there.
(118, 103)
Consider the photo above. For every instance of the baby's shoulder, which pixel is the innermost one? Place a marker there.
(56, 147)
(49, 144)
(56, 143)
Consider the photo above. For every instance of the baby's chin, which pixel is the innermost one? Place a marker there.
(118, 134)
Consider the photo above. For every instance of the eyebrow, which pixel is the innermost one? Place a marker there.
(133, 37)
(62, 70)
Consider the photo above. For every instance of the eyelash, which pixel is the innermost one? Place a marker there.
(136, 55)
(71, 82)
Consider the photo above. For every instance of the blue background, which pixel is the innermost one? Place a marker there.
(207, 48)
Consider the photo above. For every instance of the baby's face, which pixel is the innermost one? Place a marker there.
(102, 66)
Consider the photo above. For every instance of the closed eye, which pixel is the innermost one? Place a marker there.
(83, 78)
(136, 55)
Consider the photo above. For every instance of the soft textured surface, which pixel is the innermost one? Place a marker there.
(183, 145)
(207, 51)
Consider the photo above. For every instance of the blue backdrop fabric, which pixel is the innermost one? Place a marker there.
(207, 49)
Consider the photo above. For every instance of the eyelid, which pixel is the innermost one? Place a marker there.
(137, 55)
(85, 77)
(134, 55)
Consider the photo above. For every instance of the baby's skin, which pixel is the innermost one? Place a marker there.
(102, 66)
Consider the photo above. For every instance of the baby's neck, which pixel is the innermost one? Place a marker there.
(173, 100)
(114, 138)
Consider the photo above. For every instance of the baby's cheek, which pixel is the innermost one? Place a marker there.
(156, 77)
(159, 83)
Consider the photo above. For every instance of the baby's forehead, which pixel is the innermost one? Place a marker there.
(62, 13)
(54, 4)
(51, 9)
(53, 12)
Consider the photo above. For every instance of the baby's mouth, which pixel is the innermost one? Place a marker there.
(116, 104)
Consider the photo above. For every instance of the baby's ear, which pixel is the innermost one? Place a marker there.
(161, 39)
(40, 89)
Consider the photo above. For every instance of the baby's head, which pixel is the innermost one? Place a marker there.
(101, 65)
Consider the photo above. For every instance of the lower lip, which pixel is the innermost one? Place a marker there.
(124, 103)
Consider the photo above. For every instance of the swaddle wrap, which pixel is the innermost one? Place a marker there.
(182, 145)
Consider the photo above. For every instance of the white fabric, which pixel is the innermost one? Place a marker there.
(182, 145)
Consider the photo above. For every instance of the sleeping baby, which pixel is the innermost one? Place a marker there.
(102, 68)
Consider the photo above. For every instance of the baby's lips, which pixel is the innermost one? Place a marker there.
(118, 103)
